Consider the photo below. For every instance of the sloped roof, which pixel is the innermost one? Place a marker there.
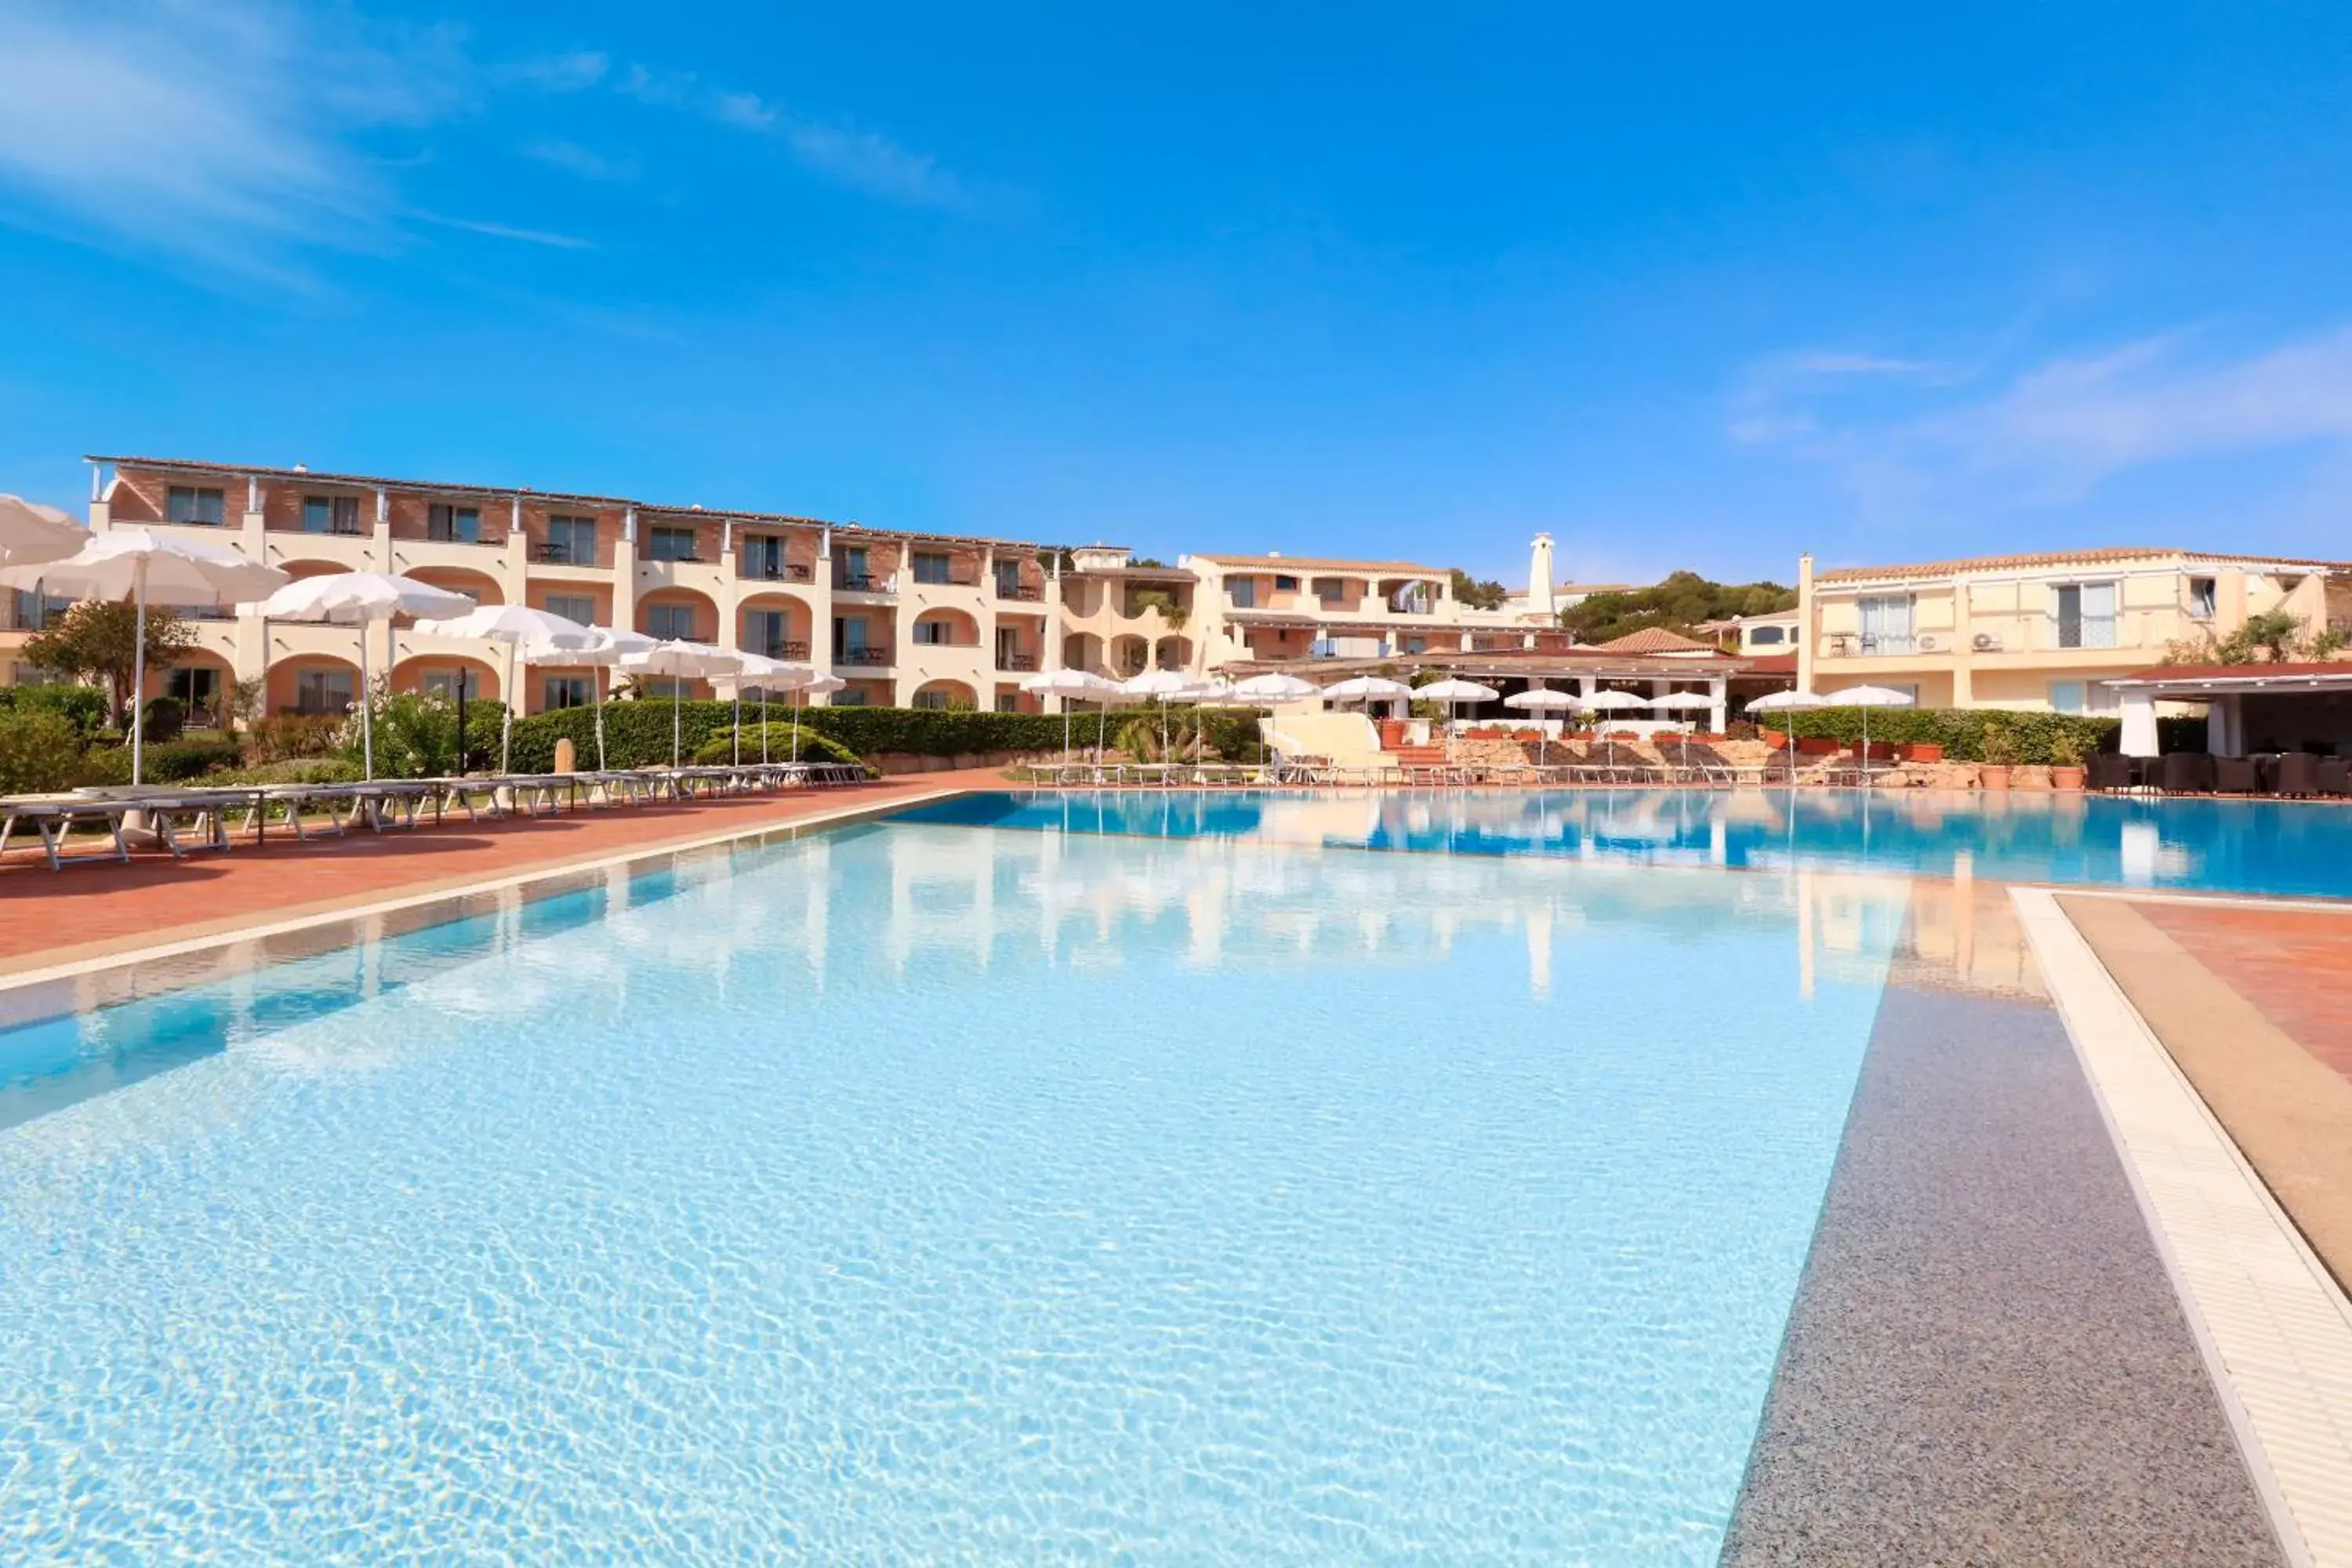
(1292, 563)
(1654, 639)
(2059, 558)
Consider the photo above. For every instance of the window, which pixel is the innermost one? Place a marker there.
(453, 524)
(854, 573)
(581, 607)
(2083, 614)
(669, 544)
(931, 696)
(670, 622)
(931, 633)
(1413, 645)
(764, 556)
(1886, 624)
(2201, 598)
(848, 697)
(318, 691)
(1242, 591)
(570, 542)
(1767, 636)
(566, 691)
(449, 683)
(764, 632)
(331, 514)
(1330, 590)
(1285, 584)
(196, 690)
(930, 566)
(1008, 582)
(36, 610)
(186, 503)
(1008, 702)
(2066, 696)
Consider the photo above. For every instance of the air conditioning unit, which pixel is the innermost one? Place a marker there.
(1925, 644)
(1988, 642)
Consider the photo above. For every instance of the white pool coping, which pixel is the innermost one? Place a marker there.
(2274, 1329)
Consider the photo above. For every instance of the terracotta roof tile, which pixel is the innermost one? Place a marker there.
(1290, 563)
(2057, 558)
(1654, 639)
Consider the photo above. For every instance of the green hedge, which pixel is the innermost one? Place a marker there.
(83, 707)
(1961, 730)
(781, 739)
(636, 734)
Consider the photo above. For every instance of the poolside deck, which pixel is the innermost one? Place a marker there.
(93, 910)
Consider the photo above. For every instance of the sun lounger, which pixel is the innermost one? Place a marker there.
(52, 817)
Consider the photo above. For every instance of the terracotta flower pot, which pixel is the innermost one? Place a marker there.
(1920, 751)
(1993, 777)
(2066, 778)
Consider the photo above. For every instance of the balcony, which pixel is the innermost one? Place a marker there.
(1872, 644)
(1018, 663)
(781, 649)
(776, 571)
(864, 583)
(547, 552)
(1027, 592)
(868, 655)
(2085, 631)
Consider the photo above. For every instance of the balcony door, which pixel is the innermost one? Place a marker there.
(2084, 615)
(1886, 624)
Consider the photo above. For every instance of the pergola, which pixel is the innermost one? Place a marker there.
(2277, 706)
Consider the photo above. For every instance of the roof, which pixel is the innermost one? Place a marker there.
(570, 498)
(1654, 639)
(2061, 558)
(1533, 663)
(1288, 564)
(1771, 663)
(2306, 673)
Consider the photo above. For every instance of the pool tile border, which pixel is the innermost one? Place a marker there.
(2274, 1331)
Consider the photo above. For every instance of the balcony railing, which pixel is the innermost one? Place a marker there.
(2088, 631)
(783, 648)
(550, 553)
(1026, 592)
(777, 570)
(497, 542)
(1870, 645)
(862, 583)
(1016, 661)
(868, 655)
(667, 557)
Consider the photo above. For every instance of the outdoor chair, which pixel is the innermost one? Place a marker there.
(2108, 770)
(2236, 776)
(2186, 772)
(2297, 773)
(2333, 776)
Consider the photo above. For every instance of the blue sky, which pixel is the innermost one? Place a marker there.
(1684, 285)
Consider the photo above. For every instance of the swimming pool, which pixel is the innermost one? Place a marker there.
(2283, 848)
(917, 1192)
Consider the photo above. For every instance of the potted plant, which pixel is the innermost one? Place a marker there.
(1920, 751)
(2001, 756)
(2066, 761)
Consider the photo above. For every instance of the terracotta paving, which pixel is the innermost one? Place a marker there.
(2293, 965)
(85, 912)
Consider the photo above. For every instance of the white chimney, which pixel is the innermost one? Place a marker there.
(1539, 578)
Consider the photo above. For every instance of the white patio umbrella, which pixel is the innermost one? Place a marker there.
(603, 653)
(1215, 692)
(146, 565)
(1612, 702)
(1070, 685)
(1544, 700)
(1867, 698)
(756, 669)
(1166, 685)
(31, 533)
(513, 624)
(363, 599)
(680, 662)
(1274, 688)
(1682, 702)
(818, 683)
(1367, 690)
(1450, 692)
(1791, 703)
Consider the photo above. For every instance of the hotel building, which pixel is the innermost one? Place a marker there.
(2041, 631)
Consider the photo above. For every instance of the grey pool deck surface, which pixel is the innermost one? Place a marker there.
(1987, 1362)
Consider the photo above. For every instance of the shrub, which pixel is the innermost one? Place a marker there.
(83, 707)
(176, 762)
(814, 747)
(637, 733)
(415, 735)
(39, 751)
(291, 735)
(297, 770)
(1961, 732)
(163, 719)
(101, 766)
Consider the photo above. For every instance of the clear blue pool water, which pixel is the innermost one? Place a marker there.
(2296, 848)
(924, 1193)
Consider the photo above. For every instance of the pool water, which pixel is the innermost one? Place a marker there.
(923, 1192)
(2293, 848)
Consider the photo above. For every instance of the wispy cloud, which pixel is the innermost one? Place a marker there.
(574, 71)
(504, 231)
(574, 159)
(861, 160)
(1904, 433)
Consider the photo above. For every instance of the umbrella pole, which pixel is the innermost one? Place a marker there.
(139, 671)
(676, 703)
(763, 726)
(796, 729)
(602, 697)
(367, 710)
(506, 730)
(738, 723)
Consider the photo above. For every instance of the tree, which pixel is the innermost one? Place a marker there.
(96, 640)
(2268, 636)
(1468, 590)
(1678, 602)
